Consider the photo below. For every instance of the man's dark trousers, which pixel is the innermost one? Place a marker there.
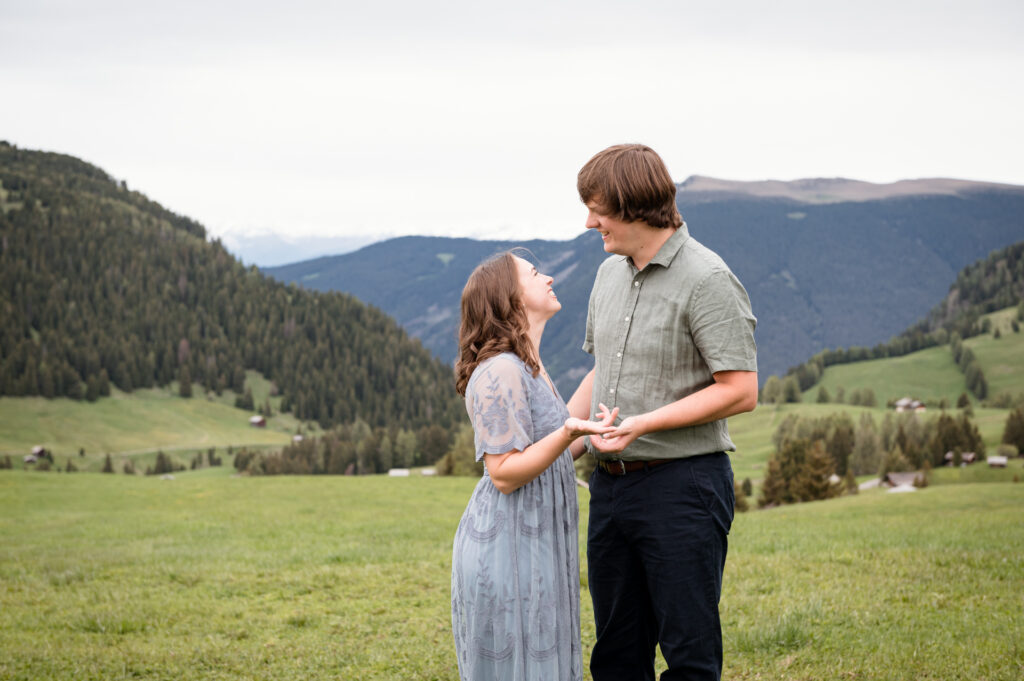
(656, 549)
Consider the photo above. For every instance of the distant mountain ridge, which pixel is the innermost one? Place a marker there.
(820, 273)
(833, 190)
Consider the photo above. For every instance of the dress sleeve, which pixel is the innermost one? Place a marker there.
(498, 402)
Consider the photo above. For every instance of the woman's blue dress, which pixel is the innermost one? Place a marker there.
(515, 568)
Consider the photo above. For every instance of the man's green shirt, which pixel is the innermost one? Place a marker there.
(658, 335)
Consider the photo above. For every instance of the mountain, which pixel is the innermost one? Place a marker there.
(983, 287)
(827, 263)
(100, 285)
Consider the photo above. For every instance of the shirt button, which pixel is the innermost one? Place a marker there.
(627, 318)
(611, 390)
(636, 283)
(618, 354)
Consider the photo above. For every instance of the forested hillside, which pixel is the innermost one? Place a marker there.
(820, 275)
(100, 286)
(993, 283)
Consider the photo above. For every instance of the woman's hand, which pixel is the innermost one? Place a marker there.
(617, 439)
(575, 427)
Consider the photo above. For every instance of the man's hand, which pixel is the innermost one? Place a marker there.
(621, 437)
(601, 426)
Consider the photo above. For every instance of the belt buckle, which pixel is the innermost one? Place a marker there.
(622, 464)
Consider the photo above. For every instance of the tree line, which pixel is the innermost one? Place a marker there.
(818, 458)
(350, 449)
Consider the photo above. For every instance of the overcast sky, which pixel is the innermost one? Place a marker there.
(471, 118)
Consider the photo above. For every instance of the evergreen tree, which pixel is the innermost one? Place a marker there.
(894, 462)
(791, 390)
(461, 458)
(245, 401)
(741, 505)
(773, 487)
(1013, 431)
(867, 448)
(108, 464)
(748, 487)
(850, 483)
(814, 481)
(185, 382)
(771, 392)
(823, 396)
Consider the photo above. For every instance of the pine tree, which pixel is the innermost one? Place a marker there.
(771, 392)
(773, 487)
(1013, 431)
(814, 481)
(791, 390)
(184, 382)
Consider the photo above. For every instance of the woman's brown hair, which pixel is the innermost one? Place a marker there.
(493, 319)
(630, 182)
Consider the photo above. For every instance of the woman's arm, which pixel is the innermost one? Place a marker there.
(512, 470)
(579, 406)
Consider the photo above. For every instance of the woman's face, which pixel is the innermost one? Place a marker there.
(538, 298)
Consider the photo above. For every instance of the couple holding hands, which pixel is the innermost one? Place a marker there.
(672, 335)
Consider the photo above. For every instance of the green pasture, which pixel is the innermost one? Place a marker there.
(924, 375)
(931, 374)
(1002, 359)
(116, 577)
(136, 425)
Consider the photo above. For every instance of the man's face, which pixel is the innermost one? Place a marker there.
(619, 237)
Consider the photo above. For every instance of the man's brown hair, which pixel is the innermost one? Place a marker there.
(631, 183)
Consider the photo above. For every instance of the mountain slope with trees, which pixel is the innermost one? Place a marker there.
(101, 286)
(822, 272)
(993, 283)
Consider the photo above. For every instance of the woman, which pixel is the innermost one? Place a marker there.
(515, 568)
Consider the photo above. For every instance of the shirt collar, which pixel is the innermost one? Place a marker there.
(667, 253)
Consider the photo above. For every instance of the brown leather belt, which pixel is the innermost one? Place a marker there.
(620, 467)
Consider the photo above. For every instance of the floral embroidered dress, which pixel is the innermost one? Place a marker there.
(515, 565)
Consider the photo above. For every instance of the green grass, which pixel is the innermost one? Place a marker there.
(931, 374)
(136, 425)
(1002, 359)
(924, 375)
(112, 577)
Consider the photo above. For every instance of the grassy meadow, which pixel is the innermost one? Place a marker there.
(135, 426)
(219, 577)
(931, 374)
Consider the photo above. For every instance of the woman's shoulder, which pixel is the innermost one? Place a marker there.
(503, 365)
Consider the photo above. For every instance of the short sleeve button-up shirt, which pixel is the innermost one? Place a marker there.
(659, 334)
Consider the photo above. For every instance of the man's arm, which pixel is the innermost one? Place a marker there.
(733, 392)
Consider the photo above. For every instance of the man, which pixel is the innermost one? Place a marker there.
(672, 335)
